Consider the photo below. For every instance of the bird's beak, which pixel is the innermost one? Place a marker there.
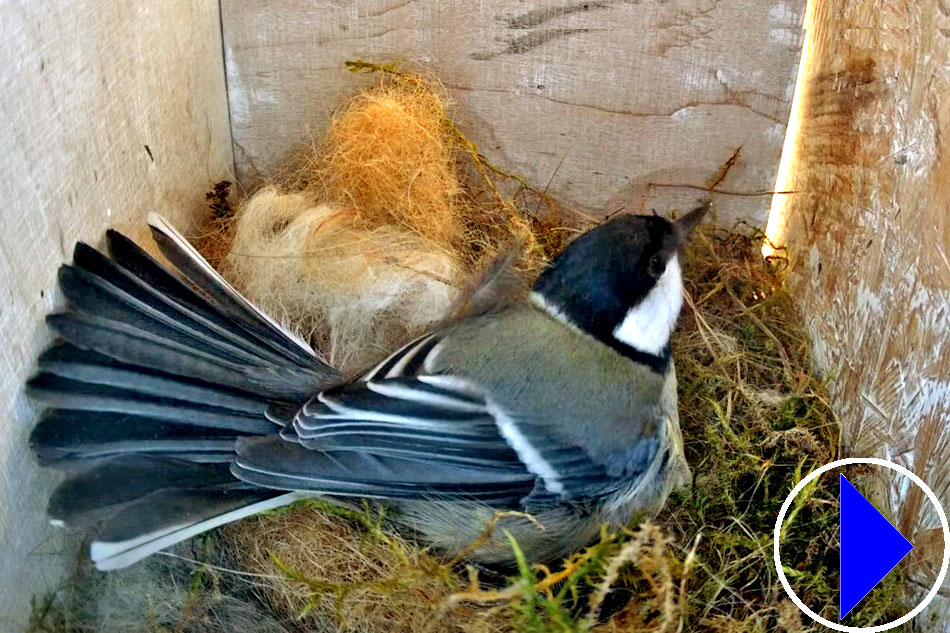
(686, 224)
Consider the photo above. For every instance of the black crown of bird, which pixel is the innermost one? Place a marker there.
(175, 406)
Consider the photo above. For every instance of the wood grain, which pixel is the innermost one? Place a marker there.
(869, 237)
(108, 110)
(634, 96)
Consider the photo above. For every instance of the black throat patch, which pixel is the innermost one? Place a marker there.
(602, 274)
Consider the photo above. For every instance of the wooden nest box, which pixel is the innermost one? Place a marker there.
(114, 110)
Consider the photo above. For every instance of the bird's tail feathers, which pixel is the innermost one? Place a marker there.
(157, 375)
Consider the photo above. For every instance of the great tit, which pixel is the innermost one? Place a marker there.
(176, 406)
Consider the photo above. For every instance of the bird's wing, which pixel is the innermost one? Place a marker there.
(400, 432)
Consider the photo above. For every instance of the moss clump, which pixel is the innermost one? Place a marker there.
(756, 420)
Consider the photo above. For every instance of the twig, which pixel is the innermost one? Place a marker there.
(702, 327)
(687, 567)
(570, 567)
(482, 597)
(544, 192)
(489, 531)
(724, 170)
(725, 192)
(761, 325)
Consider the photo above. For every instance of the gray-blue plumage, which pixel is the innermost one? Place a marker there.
(183, 407)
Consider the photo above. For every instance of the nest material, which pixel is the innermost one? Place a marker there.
(165, 593)
(347, 571)
(362, 251)
(356, 292)
(388, 156)
(371, 239)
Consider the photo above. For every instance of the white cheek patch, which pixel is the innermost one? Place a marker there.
(648, 325)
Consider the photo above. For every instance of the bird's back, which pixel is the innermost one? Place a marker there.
(534, 364)
(607, 407)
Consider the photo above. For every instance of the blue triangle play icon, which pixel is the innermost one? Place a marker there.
(870, 547)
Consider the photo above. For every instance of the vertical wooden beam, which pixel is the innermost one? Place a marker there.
(868, 234)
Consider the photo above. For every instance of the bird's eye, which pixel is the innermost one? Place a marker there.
(656, 266)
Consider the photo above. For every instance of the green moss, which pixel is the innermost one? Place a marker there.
(755, 420)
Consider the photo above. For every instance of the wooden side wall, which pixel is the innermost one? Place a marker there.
(108, 110)
(869, 237)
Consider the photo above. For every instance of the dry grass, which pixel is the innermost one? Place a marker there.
(351, 571)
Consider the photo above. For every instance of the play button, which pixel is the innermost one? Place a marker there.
(870, 547)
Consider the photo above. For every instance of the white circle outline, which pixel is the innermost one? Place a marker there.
(946, 545)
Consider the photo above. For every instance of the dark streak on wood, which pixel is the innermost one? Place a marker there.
(662, 114)
(723, 171)
(532, 40)
(617, 111)
(538, 17)
(725, 192)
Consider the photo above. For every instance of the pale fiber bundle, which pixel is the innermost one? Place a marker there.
(166, 593)
(355, 291)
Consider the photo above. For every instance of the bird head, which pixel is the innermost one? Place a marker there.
(621, 283)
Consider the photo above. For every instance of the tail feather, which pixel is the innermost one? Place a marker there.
(188, 316)
(142, 528)
(222, 294)
(94, 295)
(62, 393)
(84, 366)
(98, 492)
(136, 262)
(156, 378)
(64, 436)
(129, 344)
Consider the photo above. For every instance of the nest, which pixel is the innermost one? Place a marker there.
(372, 237)
(356, 291)
(388, 156)
(366, 242)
